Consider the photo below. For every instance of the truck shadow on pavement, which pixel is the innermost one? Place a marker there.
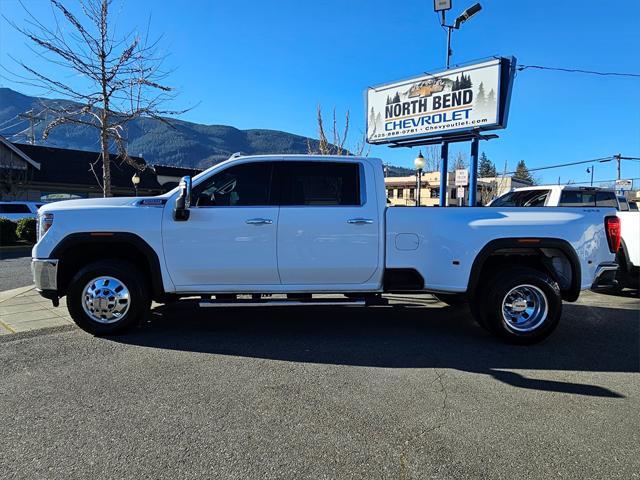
(588, 339)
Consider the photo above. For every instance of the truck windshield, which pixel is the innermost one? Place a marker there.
(523, 198)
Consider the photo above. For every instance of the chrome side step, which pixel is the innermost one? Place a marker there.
(283, 303)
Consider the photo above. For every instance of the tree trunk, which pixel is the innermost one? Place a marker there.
(106, 164)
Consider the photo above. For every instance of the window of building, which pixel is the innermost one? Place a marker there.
(434, 192)
(401, 193)
(412, 193)
(320, 183)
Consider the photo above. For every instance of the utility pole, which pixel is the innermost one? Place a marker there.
(33, 120)
(618, 157)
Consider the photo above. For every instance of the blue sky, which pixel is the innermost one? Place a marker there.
(269, 64)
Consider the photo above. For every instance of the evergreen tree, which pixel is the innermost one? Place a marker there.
(491, 98)
(486, 168)
(396, 98)
(522, 172)
(481, 100)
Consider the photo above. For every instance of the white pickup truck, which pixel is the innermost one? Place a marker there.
(628, 255)
(305, 225)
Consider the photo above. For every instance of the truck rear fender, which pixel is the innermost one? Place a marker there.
(554, 256)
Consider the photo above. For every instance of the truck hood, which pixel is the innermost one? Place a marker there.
(92, 203)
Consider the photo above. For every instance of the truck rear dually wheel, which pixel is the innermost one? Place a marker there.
(108, 297)
(521, 305)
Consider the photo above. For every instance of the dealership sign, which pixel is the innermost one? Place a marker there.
(475, 97)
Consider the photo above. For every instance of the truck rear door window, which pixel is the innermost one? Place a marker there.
(524, 198)
(577, 198)
(606, 199)
(320, 183)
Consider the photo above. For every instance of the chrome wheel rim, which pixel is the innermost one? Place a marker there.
(106, 299)
(524, 308)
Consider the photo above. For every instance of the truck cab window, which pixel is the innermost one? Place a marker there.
(320, 183)
(247, 184)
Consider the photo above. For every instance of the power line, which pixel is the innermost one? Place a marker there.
(613, 180)
(593, 160)
(577, 70)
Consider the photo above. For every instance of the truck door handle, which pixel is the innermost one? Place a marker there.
(359, 221)
(259, 221)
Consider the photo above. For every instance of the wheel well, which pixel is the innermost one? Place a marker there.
(555, 259)
(74, 252)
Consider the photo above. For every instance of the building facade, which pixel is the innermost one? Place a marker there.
(41, 174)
(402, 191)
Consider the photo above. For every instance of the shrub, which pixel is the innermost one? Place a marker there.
(26, 229)
(7, 231)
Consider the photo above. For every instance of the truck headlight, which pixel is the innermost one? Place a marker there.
(45, 220)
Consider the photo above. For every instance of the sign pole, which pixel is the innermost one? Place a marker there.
(473, 174)
(444, 161)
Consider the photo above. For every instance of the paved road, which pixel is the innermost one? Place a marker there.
(415, 392)
(15, 269)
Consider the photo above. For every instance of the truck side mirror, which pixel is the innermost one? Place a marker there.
(181, 208)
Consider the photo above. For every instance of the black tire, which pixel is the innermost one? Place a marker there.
(126, 274)
(530, 287)
(451, 299)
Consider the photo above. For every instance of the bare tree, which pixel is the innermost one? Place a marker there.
(460, 162)
(494, 187)
(123, 76)
(338, 138)
(432, 158)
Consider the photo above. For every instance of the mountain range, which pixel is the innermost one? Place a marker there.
(182, 143)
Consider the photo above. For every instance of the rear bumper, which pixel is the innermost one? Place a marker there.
(45, 274)
(605, 275)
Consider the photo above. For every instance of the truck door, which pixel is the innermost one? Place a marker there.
(230, 236)
(328, 230)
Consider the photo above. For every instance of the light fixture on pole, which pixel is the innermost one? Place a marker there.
(419, 163)
(135, 180)
(590, 170)
(443, 6)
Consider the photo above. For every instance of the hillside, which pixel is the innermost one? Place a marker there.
(184, 144)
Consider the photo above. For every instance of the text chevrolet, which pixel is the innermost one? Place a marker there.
(304, 225)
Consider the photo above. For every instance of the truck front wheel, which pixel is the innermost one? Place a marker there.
(108, 297)
(521, 305)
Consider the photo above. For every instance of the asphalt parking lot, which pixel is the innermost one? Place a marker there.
(15, 268)
(388, 392)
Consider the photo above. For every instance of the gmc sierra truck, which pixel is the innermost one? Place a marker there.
(304, 225)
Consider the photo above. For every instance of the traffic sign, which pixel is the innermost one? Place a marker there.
(462, 177)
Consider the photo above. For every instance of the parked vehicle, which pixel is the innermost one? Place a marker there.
(19, 210)
(304, 225)
(628, 256)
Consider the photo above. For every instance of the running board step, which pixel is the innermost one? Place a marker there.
(283, 302)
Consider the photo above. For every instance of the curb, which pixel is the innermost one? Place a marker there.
(9, 294)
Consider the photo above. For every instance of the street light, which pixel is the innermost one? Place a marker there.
(419, 163)
(467, 14)
(463, 17)
(135, 180)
